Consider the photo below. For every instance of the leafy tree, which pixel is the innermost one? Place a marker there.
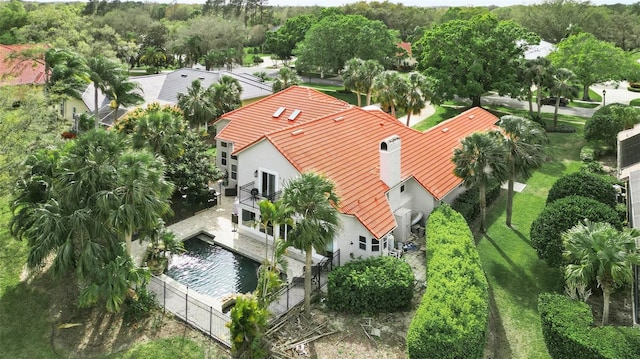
(285, 78)
(583, 184)
(334, 39)
(213, 59)
(607, 121)
(479, 160)
(247, 326)
(593, 61)
(560, 216)
(598, 251)
(418, 89)
(391, 90)
(467, 58)
(563, 84)
(524, 140)
(282, 42)
(123, 92)
(197, 105)
(101, 72)
(161, 130)
(553, 19)
(313, 200)
(12, 17)
(368, 72)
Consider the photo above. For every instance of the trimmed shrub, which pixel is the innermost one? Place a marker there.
(587, 154)
(468, 203)
(372, 285)
(561, 215)
(451, 321)
(583, 184)
(607, 121)
(568, 330)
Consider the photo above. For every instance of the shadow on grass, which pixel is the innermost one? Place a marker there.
(497, 343)
(522, 237)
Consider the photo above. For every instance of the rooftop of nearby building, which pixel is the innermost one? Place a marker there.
(15, 71)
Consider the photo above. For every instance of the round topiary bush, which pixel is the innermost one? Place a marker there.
(561, 215)
(607, 121)
(583, 184)
(377, 284)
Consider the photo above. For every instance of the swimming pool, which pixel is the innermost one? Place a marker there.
(213, 270)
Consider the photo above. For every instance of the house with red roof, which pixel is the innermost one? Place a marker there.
(405, 56)
(18, 71)
(388, 176)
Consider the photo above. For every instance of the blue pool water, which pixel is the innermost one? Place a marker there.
(213, 270)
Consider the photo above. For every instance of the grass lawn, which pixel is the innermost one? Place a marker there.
(514, 272)
(635, 102)
(442, 113)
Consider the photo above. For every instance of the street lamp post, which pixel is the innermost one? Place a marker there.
(604, 97)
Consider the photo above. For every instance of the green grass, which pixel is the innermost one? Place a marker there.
(170, 348)
(594, 96)
(515, 274)
(324, 87)
(635, 102)
(583, 104)
(442, 113)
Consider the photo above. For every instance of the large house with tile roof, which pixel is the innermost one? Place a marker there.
(15, 71)
(164, 88)
(387, 175)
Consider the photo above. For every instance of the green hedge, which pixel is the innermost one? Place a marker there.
(468, 203)
(568, 330)
(561, 215)
(451, 321)
(376, 284)
(584, 184)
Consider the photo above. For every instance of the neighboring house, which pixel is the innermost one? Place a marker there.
(629, 173)
(164, 88)
(388, 176)
(19, 72)
(543, 49)
(405, 57)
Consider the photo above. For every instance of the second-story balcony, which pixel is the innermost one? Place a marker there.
(249, 194)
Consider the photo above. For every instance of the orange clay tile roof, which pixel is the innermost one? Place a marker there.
(405, 46)
(19, 72)
(345, 147)
(250, 123)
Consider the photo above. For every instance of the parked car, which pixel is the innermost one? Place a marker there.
(551, 101)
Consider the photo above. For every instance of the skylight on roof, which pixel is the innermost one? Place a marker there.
(294, 115)
(183, 75)
(278, 112)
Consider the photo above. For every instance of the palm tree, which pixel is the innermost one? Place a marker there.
(139, 198)
(351, 76)
(225, 95)
(418, 89)
(286, 78)
(196, 104)
(153, 57)
(231, 57)
(537, 72)
(524, 139)
(161, 132)
(123, 93)
(564, 83)
(314, 201)
(480, 160)
(213, 58)
(273, 214)
(370, 69)
(66, 73)
(391, 90)
(101, 72)
(597, 251)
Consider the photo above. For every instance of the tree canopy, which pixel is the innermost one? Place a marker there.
(334, 39)
(591, 60)
(467, 58)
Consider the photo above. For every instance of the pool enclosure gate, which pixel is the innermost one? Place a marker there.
(202, 316)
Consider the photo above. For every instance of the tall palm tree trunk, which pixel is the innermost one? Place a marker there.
(555, 113)
(408, 118)
(369, 97)
(359, 98)
(585, 93)
(539, 99)
(475, 101)
(115, 113)
(606, 294)
(530, 98)
(393, 110)
(483, 207)
(127, 241)
(307, 281)
(510, 190)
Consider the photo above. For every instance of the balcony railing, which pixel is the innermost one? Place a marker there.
(250, 195)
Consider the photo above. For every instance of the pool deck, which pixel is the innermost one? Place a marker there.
(216, 222)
